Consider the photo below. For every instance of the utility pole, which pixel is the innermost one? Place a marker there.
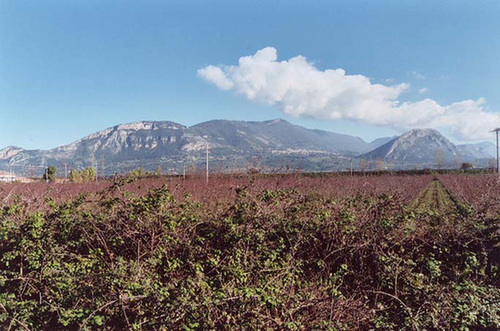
(496, 132)
(206, 164)
(65, 170)
(103, 172)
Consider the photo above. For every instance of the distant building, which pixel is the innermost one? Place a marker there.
(6, 177)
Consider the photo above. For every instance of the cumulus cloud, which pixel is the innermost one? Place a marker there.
(423, 90)
(298, 88)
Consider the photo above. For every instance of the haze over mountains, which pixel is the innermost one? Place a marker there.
(274, 145)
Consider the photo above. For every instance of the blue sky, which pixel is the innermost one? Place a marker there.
(70, 68)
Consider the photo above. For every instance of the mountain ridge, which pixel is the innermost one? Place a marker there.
(426, 147)
(233, 145)
(150, 144)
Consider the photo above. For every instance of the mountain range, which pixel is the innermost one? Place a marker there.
(274, 145)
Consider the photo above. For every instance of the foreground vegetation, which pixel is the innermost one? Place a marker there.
(293, 253)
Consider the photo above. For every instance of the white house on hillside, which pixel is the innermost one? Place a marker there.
(6, 177)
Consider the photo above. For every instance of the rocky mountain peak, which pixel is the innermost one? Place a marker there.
(277, 121)
(431, 137)
(419, 133)
(150, 125)
(419, 146)
(9, 152)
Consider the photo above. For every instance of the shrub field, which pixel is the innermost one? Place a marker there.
(258, 252)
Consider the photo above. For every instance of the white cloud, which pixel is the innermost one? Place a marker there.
(217, 76)
(423, 90)
(298, 88)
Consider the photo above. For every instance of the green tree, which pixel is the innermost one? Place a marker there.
(75, 176)
(50, 173)
(86, 175)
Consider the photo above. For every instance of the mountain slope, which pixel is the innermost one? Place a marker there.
(418, 146)
(276, 135)
(379, 142)
(9, 152)
(235, 146)
(483, 150)
(171, 145)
